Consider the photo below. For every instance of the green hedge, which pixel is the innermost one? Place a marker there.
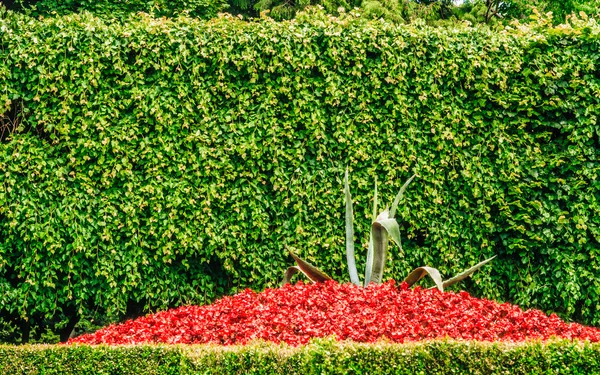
(123, 9)
(319, 357)
(160, 163)
(56, 359)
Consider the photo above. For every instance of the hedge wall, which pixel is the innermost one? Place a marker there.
(122, 9)
(161, 163)
(65, 360)
(319, 357)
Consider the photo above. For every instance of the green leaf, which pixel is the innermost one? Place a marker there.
(350, 233)
(463, 275)
(379, 235)
(393, 230)
(399, 196)
(418, 273)
(369, 265)
(375, 201)
(287, 276)
(313, 273)
(381, 230)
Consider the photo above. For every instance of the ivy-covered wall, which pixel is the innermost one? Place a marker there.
(160, 163)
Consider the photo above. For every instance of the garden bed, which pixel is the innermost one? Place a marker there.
(326, 328)
(294, 314)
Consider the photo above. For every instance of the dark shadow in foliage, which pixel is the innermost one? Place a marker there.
(13, 121)
(13, 328)
(10, 328)
(72, 319)
(10, 120)
(8, 4)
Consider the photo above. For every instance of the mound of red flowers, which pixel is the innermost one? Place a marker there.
(296, 313)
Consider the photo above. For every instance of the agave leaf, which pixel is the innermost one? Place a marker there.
(375, 201)
(418, 273)
(380, 246)
(370, 251)
(383, 215)
(350, 233)
(313, 273)
(287, 276)
(369, 266)
(393, 230)
(399, 196)
(381, 230)
(463, 275)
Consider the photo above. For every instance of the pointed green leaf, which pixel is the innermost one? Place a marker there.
(313, 273)
(418, 273)
(399, 196)
(369, 266)
(350, 233)
(375, 201)
(380, 245)
(376, 256)
(393, 230)
(463, 275)
(287, 276)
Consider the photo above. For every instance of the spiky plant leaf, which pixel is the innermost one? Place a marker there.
(313, 273)
(392, 229)
(463, 275)
(379, 235)
(375, 201)
(380, 247)
(287, 276)
(350, 233)
(370, 251)
(399, 196)
(381, 230)
(369, 265)
(418, 273)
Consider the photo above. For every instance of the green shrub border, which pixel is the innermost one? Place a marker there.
(321, 356)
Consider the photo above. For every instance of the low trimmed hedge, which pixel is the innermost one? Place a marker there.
(84, 359)
(323, 356)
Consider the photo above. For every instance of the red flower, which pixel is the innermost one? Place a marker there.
(296, 313)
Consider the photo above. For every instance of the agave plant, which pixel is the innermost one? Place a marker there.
(383, 228)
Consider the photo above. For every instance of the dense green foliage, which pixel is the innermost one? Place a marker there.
(123, 9)
(563, 8)
(159, 163)
(319, 357)
(505, 11)
(102, 360)
(440, 12)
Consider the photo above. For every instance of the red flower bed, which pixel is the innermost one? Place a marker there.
(296, 313)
